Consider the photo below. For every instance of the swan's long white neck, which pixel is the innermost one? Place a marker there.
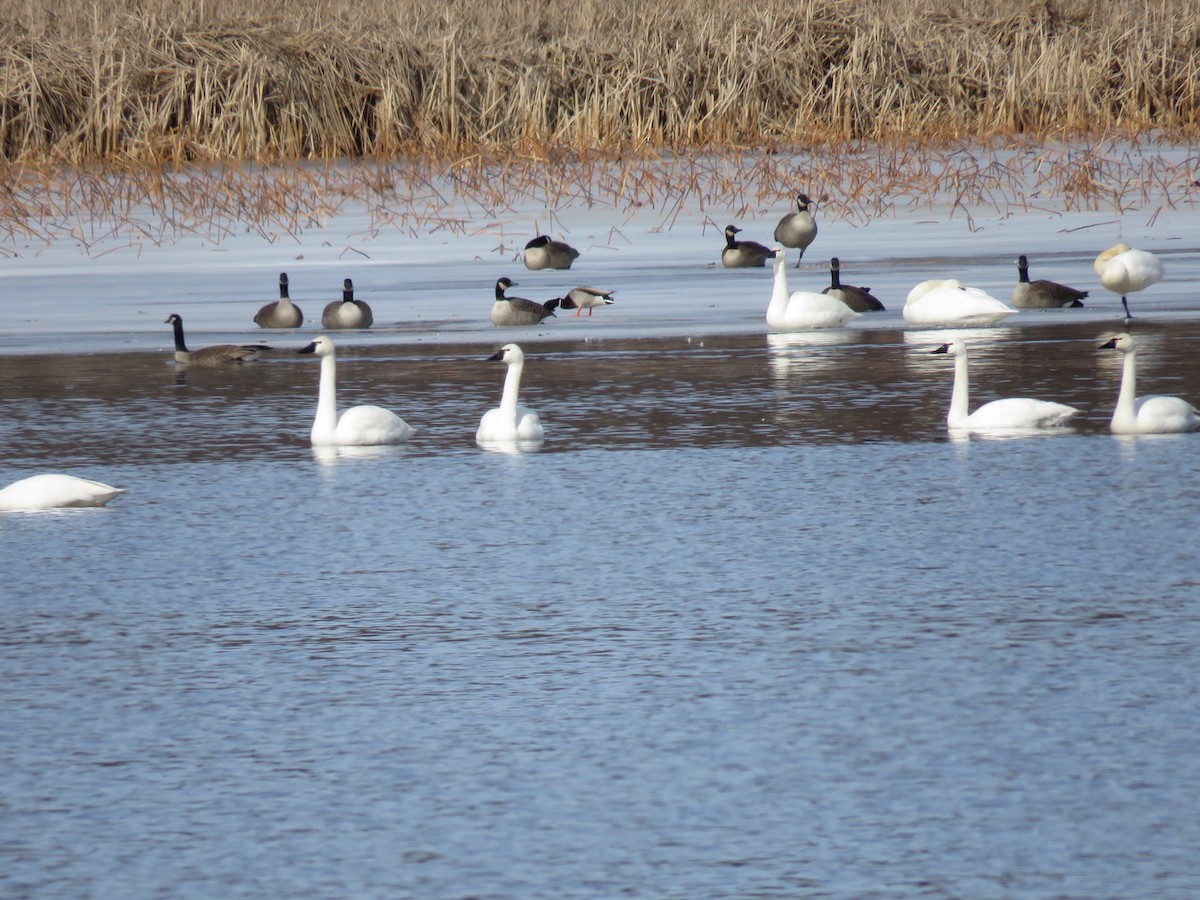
(512, 387)
(1127, 397)
(326, 421)
(960, 396)
(779, 294)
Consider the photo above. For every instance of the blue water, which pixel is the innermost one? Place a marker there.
(749, 625)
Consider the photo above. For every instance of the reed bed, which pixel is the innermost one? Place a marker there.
(152, 118)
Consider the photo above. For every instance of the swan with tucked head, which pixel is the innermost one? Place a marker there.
(802, 310)
(1150, 413)
(1011, 413)
(359, 425)
(510, 421)
(55, 491)
(947, 301)
(1125, 271)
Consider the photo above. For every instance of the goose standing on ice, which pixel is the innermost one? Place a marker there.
(799, 229)
(217, 355)
(1042, 294)
(544, 253)
(803, 310)
(946, 301)
(517, 310)
(347, 312)
(356, 426)
(1011, 413)
(55, 491)
(584, 297)
(1150, 413)
(859, 299)
(283, 313)
(510, 421)
(1125, 271)
(743, 254)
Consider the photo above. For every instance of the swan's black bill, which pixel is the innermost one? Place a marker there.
(945, 348)
(311, 348)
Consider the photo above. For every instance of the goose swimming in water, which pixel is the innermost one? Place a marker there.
(347, 312)
(356, 426)
(510, 421)
(802, 310)
(544, 253)
(1150, 413)
(584, 297)
(55, 491)
(283, 313)
(1011, 413)
(517, 310)
(799, 229)
(946, 301)
(1042, 294)
(1125, 271)
(217, 355)
(859, 299)
(743, 254)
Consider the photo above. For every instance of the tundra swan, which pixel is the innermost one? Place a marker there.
(358, 425)
(1125, 271)
(1150, 413)
(510, 421)
(55, 491)
(803, 310)
(946, 301)
(1019, 413)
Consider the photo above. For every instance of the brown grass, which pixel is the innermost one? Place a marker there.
(158, 80)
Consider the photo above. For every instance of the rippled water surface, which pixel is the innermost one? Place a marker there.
(749, 624)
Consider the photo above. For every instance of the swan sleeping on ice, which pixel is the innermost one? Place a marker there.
(946, 301)
(54, 491)
(1151, 413)
(359, 425)
(1012, 413)
(803, 310)
(1124, 271)
(510, 421)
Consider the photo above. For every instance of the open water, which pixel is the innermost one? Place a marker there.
(749, 624)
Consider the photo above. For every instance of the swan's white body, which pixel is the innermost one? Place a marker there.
(510, 421)
(947, 301)
(1125, 271)
(54, 491)
(1011, 413)
(359, 425)
(1149, 414)
(802, 310)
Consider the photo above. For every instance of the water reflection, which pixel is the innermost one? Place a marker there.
(510, 448)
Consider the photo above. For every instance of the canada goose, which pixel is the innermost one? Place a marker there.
(743, 254)
(358, 425)
(217, 355)
(802, 310)
(1014, 413)
(283, 313)
(859, 299)
(946, 301)
(518, 310)
(584, 297)
(510, 421)
(544, 253)
(1150, 413)
(799, 229)
(1125, 271)
(347, 312)
(55, 491)
(1042, 294)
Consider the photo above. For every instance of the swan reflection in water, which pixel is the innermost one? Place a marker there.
(790, 353)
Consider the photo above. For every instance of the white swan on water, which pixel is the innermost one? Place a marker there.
(1011, 413)
(359, 425)
(55, 491)
(802, 310)
(510, 421)
(1150, 413)
(947, 301)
